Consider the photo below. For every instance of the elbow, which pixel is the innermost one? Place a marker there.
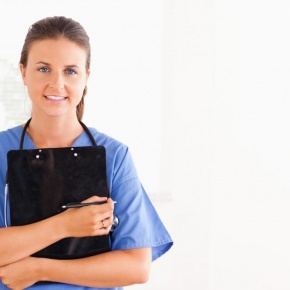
(141, 267)
(143, 272)
(143, 275)
(144, 279)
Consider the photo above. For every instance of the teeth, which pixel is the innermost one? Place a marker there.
(58, 98)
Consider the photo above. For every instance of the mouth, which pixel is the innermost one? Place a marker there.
(55, 98)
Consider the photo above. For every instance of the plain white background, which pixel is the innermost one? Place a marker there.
(199, 90)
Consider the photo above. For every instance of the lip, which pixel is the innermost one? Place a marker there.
(55, 99)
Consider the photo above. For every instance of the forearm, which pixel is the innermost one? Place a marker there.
(19, 242)
(112, 269)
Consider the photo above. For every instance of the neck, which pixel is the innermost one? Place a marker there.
(54, 131)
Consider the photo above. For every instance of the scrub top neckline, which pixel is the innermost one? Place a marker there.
(28, 142)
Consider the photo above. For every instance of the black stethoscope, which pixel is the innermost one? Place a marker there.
(115, 222)
(28, 122)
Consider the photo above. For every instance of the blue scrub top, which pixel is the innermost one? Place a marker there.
(139, 226)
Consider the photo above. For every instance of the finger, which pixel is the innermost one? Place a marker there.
(106, 209)
(111, 204)
(103, 225)
(106, 223)
(95, 198)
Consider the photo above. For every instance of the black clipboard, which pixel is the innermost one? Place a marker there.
(40, 181)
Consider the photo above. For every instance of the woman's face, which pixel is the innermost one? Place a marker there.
(55, 76)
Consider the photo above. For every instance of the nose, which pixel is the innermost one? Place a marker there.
(56, 81)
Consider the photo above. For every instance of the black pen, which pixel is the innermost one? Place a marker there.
(81, 204)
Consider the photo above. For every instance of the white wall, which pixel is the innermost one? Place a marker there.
(249, 247)
(224, 144)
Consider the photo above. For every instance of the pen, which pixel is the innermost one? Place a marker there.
(79, 204)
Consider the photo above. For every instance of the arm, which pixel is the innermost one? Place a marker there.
(22, 241)
(19, 242)
(115, 268)
(112, 269)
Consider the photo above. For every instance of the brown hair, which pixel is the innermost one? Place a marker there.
(54, 28)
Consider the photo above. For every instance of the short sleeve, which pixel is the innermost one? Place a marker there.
(139, 223)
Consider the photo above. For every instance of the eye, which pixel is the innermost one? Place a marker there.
(43, 69)
(71, 71)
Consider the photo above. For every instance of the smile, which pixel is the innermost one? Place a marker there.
(55, 98)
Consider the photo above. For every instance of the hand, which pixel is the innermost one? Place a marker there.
(92, 220)
(20, 274)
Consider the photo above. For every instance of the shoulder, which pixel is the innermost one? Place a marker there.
(111, 144)
(119, 159)
(9, 139)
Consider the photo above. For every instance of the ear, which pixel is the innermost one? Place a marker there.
(23, 73)
(87, 78)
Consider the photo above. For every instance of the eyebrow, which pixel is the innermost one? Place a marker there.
(46, 63)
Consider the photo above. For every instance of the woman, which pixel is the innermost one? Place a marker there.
(55, 66)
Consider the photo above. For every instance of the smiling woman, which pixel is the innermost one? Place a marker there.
(56, 75)
(55, 67)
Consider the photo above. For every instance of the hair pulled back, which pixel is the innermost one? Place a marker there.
(53, 28)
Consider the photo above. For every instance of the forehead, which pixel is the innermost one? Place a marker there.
(59, 50)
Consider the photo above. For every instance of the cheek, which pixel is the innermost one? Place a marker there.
(35, 81)
(34, 88)
(78, 86)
